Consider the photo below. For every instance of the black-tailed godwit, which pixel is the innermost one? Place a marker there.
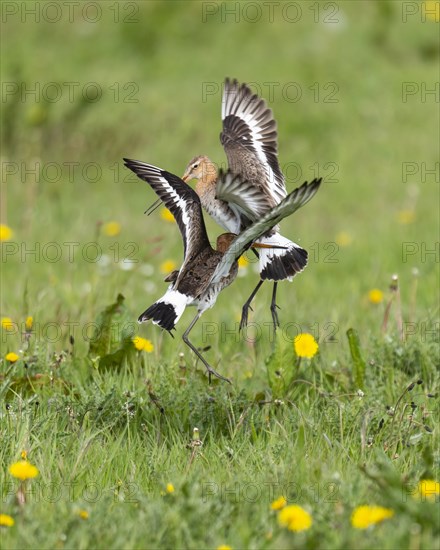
(205, 271)
(249, 138)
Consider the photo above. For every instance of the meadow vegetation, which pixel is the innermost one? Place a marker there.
(109, 422)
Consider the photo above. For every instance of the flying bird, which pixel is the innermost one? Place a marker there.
(249, 138)
(205, 271)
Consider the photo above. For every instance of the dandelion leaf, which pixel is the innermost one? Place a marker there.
(113, 332)
(280, 367)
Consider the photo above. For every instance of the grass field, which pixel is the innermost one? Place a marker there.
(110, 428)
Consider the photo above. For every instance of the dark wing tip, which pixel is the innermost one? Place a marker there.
(142, 169)
(230, 81)
(307, 190)
(132, 163)
(243, 88)
(314, 184)
(129, 163)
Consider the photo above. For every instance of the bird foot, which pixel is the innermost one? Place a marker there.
(275, 319)
(212, 372)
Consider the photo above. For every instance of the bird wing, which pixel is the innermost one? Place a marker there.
(241, 195)
(249, 138)
(182, 201)
(294, 200)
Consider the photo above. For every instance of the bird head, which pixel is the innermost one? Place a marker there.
(200, 167)
(224, 241)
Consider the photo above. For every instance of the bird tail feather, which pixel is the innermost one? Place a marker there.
(167, 310)
(277, 264)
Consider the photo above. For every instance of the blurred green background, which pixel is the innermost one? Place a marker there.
(347, 83)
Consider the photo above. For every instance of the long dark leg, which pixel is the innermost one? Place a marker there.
(273, 308)
(210, 370)
(273, 305)
(247, 307)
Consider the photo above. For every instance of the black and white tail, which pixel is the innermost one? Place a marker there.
(167, 310)
(277, 264)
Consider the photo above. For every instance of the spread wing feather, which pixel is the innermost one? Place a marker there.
(249, 137)
(243, 196)
(182, 201)
(296, 199)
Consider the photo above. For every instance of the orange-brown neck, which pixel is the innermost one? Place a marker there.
(207, 179)
(224, 241)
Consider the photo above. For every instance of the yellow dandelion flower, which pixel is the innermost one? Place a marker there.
(375, 296)
(83, 514)
(242, 262)
(429, 489)
(295, 518)
(12, 357)
(279, 503)
(405, 217)
(365, 516)
(29, 323)
(305, 345)
(431, 9)
(167, 266)
(5, 232)
(23, 455)
(224, 547)
(138, 342)
(6, 521)
(142, 344)
(170, 488)
(148, 346)
(7, 324)
(23, 470)
(166, 215)
(343, 238)
(111, 229)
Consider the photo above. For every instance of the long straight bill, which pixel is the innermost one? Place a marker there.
(263, 245)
